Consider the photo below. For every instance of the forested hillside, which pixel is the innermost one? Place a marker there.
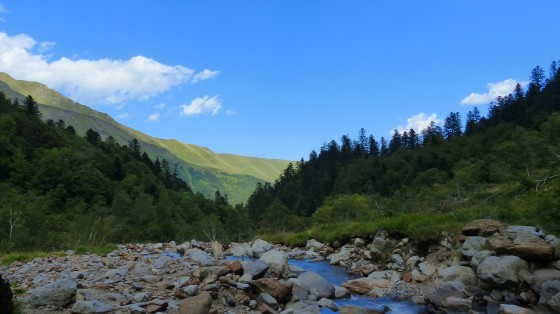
(504, 165)
(60, 190)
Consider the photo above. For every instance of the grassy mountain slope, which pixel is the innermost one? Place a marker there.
(204, 170)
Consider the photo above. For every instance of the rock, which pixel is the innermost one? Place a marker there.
(348, 309)
(521, 243)
(190, 290)
(259, 247)
(277, 262)
(314, 281)
(463, 274)
(538, 277)
(341, 292)
(446, 290)
(156, 306)
(549, 289)
(6, 297)
(91, 307)
(236, 267)
(412, 261)
(343, 255)
(397, 260)
(307, 307)
(161, 261)
(417, 299)
(427, 268)
(199, 304)
(501, 271)
(241, 250)
(381, 246)
(554, 243)
(315, 245)
(299, 289)
(472, 245)
(482, 227)
(457, 304)
(513, 309)
(280, 290)
(418, 276)
(265, 298)
(366, 284)
(478, 257)
(135, 309)
(217, 250)
(59, 293)
(328, 303)
(256, 269)
(366, 269)
(359, 242)
(200, 257)
(554, 303)
(140, 297)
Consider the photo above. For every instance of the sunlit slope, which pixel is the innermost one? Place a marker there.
(203, 169)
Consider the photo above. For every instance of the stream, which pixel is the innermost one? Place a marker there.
(338, 275)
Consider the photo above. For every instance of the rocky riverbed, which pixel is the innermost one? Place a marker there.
(490, 268)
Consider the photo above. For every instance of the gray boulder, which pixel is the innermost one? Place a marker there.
(277, 262)
(343, 255)
(472, 245)
(463, 274)
(538, 277)
(501, 271)
(260, 246)
(315, 245)
(256, 269)
(513, 309)
(314, 281)
(87, 307)
(199, 304)
(59, 293)
(200, 257)
(549, 290)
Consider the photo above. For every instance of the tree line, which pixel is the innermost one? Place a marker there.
(61, 190)
(513, 151)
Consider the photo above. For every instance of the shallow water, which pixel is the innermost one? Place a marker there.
(337, 275)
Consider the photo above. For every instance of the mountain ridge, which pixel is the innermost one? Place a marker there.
(230, 174)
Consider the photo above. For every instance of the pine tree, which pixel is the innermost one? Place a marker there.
(31, 107)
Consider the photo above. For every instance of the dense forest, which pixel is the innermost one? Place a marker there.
(504, 165)
(59, 190)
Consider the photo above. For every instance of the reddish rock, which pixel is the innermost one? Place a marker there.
(236, 267)
(525, 245)
(407, 276)
(482, 227)
(364, 285)
(281, 291)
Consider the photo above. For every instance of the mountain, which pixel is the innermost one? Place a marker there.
(205, 171)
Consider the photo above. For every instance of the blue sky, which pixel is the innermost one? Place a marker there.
(277, 79)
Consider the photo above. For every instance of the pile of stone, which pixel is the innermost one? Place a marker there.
(189, 278)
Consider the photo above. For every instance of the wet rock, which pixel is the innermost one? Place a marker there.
(328, 303)
(199, 304)
(314, 281)
(501, 271)
(343, 255)
(59, 293)
(347, 309)
(277, 262)
(341, 292)
(366, 284)
(91, 307)
(299, 289)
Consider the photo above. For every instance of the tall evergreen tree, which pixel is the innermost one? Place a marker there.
(31, 107)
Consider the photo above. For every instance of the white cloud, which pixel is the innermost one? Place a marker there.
(46, 46)
(153, 117)
(496, 89)
(204, 105)
(418, 122)
(103, 81)
(204, 75)
(159, 106)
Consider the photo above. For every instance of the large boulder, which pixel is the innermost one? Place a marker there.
(349, 309)
(513, 309)
(314, 281)
(554, 243)
(501, 271)
(241, 250)
(6, 296)
(463, 274)
(550, 294)
(199, 304)
(381, 247)
(482, 227)
(279, 289)
(277, 262)
(200, 257)
(366, 284)
(256, 269)
(260, 246)
(343, 255)
(59, 293)
(315, 245)
(521, 241)
(450, 289)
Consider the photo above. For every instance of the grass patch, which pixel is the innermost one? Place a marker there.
(24, 257)
(96, 250)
